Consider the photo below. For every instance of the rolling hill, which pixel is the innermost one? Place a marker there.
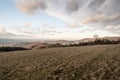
(98, 62)
(38, 44)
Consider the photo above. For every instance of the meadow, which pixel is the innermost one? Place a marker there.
(97, 62)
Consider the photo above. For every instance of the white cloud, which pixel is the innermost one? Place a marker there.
(73, 25)
(27, 24)
(45, 29)
(100, 13)
(109, 27)
(31, 6)
(2, 30)
(5, 34)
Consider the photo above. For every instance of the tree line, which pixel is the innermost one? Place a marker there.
(97, 42)
(6, 49)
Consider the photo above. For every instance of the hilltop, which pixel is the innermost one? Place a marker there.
(98, 62)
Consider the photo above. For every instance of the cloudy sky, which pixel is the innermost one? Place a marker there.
(59, 19)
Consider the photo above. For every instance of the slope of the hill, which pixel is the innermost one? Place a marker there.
(99, 62)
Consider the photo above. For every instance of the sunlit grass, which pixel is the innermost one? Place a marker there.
(99, 62)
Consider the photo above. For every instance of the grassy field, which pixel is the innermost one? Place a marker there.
(99, 62)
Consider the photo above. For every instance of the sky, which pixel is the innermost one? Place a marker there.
(59, 19)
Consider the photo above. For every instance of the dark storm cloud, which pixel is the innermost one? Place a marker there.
(94, 4)
(74, 5)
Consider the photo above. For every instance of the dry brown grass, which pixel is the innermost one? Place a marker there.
(99, 62)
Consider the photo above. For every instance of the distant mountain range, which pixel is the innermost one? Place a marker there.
(13, 42)
(36, 44)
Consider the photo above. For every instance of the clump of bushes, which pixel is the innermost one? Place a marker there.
(100, 41)
(97, 42)
(6, 49)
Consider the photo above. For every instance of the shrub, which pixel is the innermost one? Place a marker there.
(6, 49)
